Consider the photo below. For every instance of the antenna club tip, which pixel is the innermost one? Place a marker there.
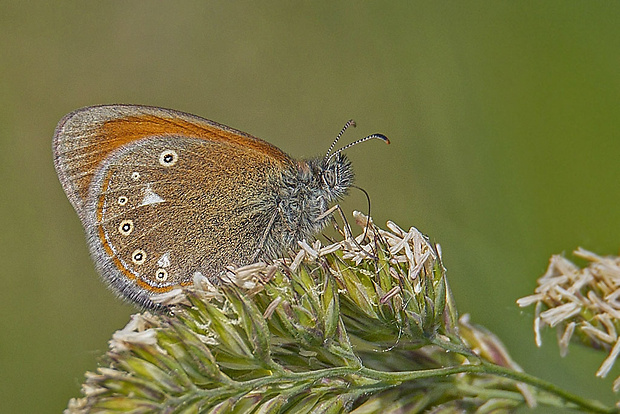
(352, 123)
(383, 138)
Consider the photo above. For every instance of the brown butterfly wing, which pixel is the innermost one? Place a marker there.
(163, 195)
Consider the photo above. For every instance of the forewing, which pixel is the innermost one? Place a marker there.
(84, 139)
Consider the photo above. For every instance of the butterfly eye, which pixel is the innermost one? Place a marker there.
(329, 178)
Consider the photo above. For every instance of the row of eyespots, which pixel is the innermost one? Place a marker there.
(139, 257)
(167, 159)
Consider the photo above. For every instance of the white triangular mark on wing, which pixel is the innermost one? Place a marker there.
(201, 280)
(164, 260)
(151, 197)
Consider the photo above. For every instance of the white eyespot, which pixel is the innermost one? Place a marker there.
(161, 275)
(138, 256)
(135, 175)
(122, 200)
(168, 158)
(126, 227)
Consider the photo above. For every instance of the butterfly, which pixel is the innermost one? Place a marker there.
(164, 195)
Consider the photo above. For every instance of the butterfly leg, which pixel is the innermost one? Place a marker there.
(263, 239)
(347, 227)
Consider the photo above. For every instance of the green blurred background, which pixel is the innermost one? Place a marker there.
(503, 117)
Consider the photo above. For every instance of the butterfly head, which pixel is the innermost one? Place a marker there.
(335, 169)
(335, 175)
(326, 180)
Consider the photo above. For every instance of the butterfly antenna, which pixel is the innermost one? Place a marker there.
(349, 123)
(359, 141)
